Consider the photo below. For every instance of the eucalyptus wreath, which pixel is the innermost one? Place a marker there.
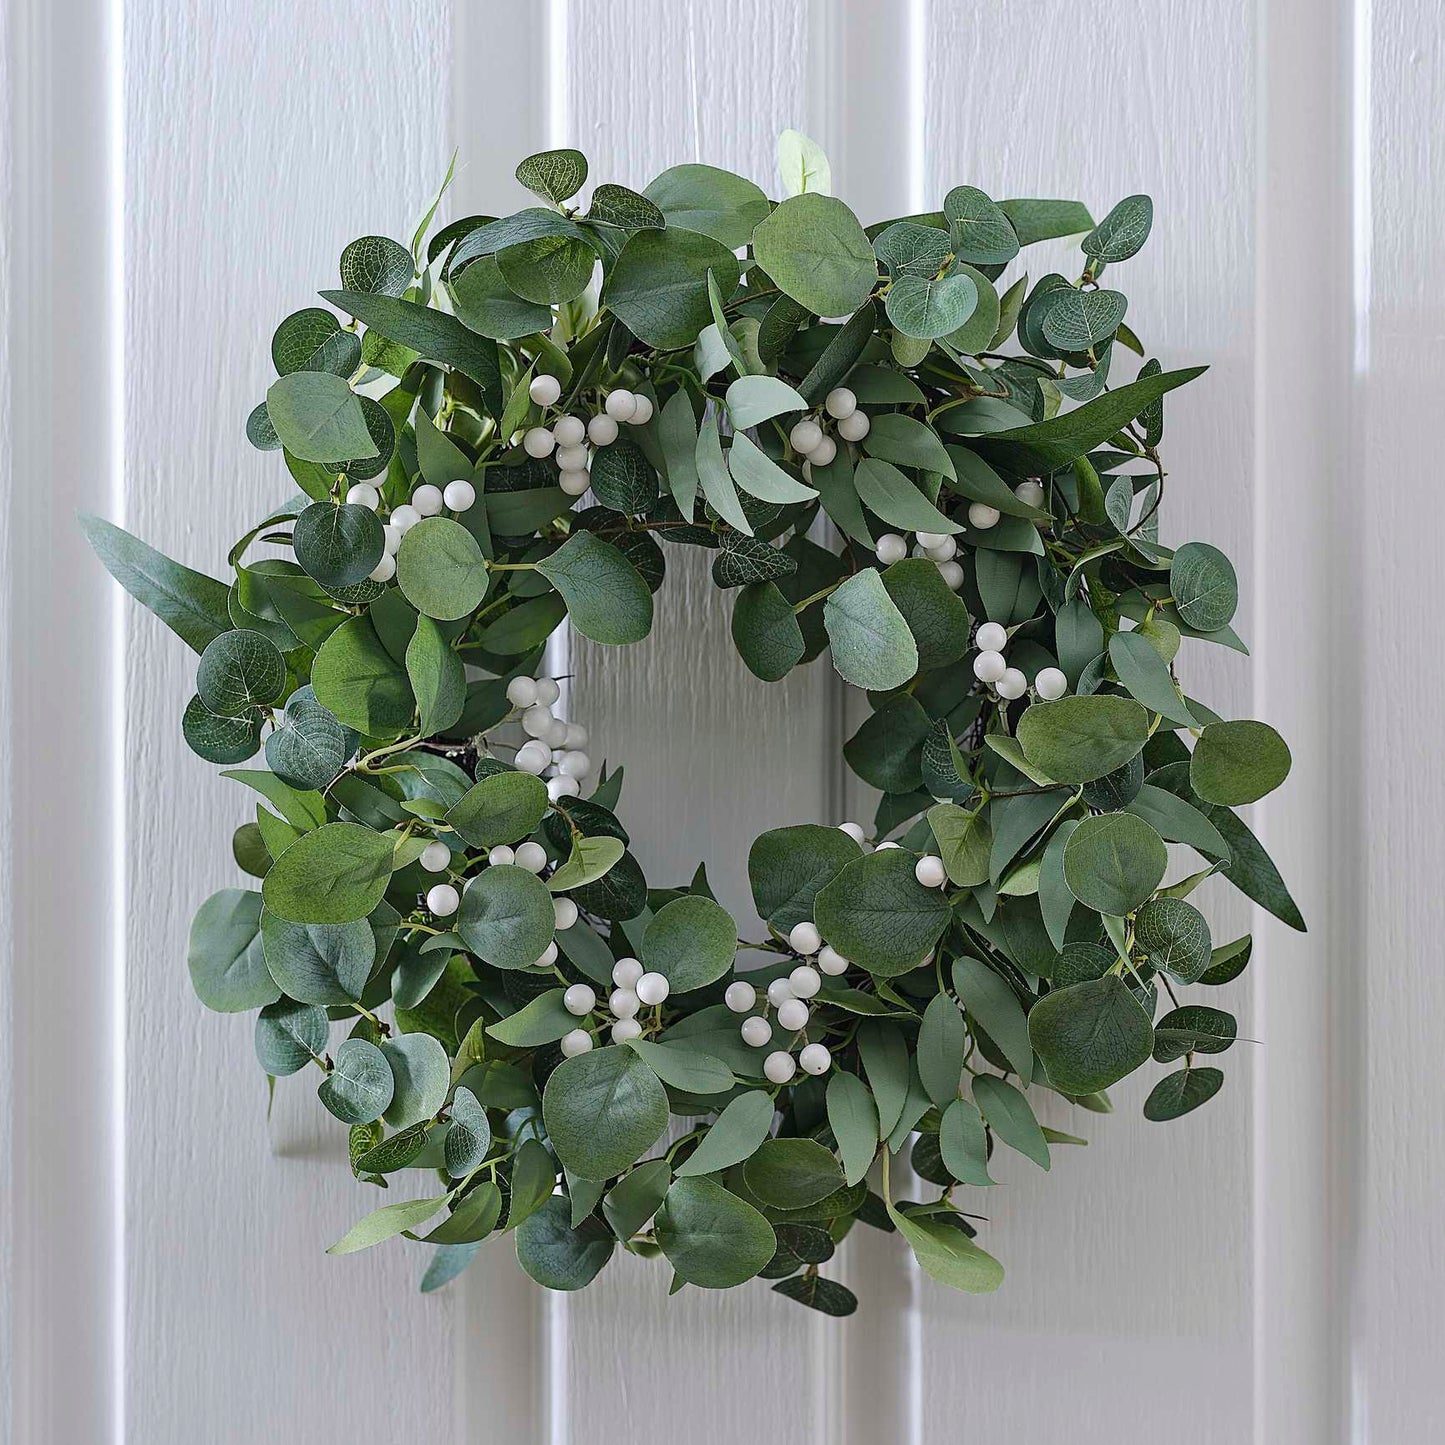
(446, 921)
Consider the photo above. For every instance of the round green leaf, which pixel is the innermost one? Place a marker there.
(1122, 232)
(506, 917)
(606, 596)
(1074, 320)
(1193, 1029)
(319, 963)
(1113, 862)
(558, 1256)
(816, 251)
(335, 874)
(787, 867)
(603, 1110)
(927, 307)
(690, 941)
(1237, 762)
(227, 966)
(491, 308)
(614, 205)
(658, 285)
(1090, 1035)
(338, 546)
(313, 340)
(318, 417)
(872, 646)
(1174, 936)
(239, 671)
(792, 1173)
(555, 176)
(308, 747)
(360, 1086)
(979, 230)
(225, 740)
(378, 265)
(1078, 739)
(715, 202)
(503, 807)
(469, 1135)
(360, 683)
(1204, 587)
(766, 632)
(712, 1238)
(1178, 1093)
(935, 614)
(878, 915)
(421, 1073)
(440, 569)
(289, 1036)
(547, 270)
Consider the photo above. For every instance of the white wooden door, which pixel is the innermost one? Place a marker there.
(177, 176)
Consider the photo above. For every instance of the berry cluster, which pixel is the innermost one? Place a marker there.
(426, 501)
(991, 667)
(813, 444)
(554, 749)
(568, 435)
(635, 990)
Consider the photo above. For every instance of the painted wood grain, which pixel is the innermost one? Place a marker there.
(260, 139)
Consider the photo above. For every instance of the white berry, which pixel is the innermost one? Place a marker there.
(930, 872)
(580, 999)
(805, 435)
(459, 496)
(522, 691)
(815, 1059)
(855, 427)
(624, 1003)
(793, 1015)
(779, 991)
(990, 637)
(804, 938)
(989, 666)
(548, 691)
(1051, 684)
(779, 1067)
(756, 1031)
(574, 484)
(945, 551)
(390, 539)
(404, 518)
(575, 764)
(602, 430)
(576, 736)
(1031, 494)
(1011, 685)
(740, 996)
(384, 570)
(625, 1029)
(501, 855)
(573, 458)
(981, 516)
(363, 494)
(436, 857)
(546, 958)
(620, 405)
(626, 972)
(840, 403)
(804, 981)
(883, 847)
(831, 961)
(854, 831)
(952, 575)
(641, 410)
(533, 757)
(822, 455)
(931, 539)
(570, 431)
(545, 390)
(427, 500)
(563, 787)
(532, 857)
(443, 900)
(537, 720)
(579, 1041)
(653, 988)
(891, 548)
(556, 733)
(538, 442)
(564, 913)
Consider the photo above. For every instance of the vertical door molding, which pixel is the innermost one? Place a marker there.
(62, 721)
(1307, 1075)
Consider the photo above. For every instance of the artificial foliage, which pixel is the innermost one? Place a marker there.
(510, 425)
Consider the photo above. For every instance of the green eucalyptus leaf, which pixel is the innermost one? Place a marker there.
(816, 251)
(606, 596)
(712, 1238)
(1237, 762)
(879, 916)
(603, 1110)
(506, 917)
(333, 875)
(224, 954)
(872, 646)
(1091, 1034)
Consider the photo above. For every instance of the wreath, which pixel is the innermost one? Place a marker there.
(940, 480)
